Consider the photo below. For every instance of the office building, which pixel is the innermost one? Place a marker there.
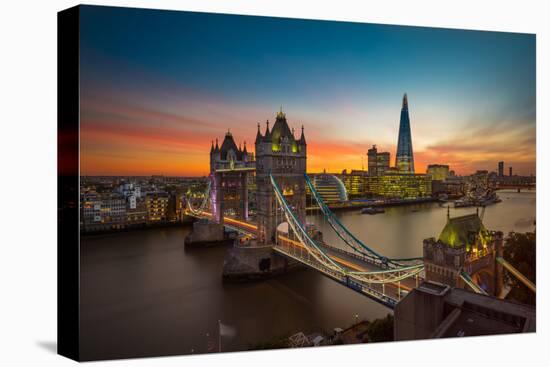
(399, 186)
(378, 162)
(157, 206)
(330, 188)
(439, 172)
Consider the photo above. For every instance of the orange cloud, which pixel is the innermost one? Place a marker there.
(118, 138)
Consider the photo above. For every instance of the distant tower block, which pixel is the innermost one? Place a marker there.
(510, 171)
(379, 162)
(501, 168)
(404, 160)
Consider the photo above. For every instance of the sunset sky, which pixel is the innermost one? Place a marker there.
(157, 87)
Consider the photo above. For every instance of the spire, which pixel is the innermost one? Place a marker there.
(217, 147)
(404, 159)
(281, 115)
(244, 149)
(212, 147)
(303, 137)
(267, 136)
(258, 135)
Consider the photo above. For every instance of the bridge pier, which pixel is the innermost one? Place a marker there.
(244, 264)
(206, 233)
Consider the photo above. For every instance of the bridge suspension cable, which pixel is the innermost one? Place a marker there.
(387, 276)
(300, 231)
(314, 249)
(468, 280)
(515, 272)
(348, 237)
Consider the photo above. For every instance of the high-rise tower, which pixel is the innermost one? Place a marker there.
(404, 160)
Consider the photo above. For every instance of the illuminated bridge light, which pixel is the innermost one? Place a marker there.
(244, 224)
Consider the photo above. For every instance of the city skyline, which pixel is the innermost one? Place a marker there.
(152, 102)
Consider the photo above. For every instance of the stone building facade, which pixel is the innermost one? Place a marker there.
(278, 152)
(465, 249)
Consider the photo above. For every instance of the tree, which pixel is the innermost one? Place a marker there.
(381, 330)
(520, 251)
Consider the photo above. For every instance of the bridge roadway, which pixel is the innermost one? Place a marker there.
(354, 262)
(235, 224)
(347, 260)
(350, 262)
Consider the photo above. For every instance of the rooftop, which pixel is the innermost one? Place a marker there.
(436, 289)
(279, 131)
(465, 313)
(462, 230)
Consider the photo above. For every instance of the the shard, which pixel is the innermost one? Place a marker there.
(404, 160)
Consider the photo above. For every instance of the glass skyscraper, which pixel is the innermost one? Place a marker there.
(404, 161)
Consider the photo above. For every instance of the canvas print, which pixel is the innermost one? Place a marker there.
(251, 183)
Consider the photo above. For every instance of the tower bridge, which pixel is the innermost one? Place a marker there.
(278, 238)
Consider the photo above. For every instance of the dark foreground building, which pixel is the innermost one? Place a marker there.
(435, 310)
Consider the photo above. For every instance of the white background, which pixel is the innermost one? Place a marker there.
(28, 182)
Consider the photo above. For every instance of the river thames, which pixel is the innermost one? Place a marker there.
(143, 294)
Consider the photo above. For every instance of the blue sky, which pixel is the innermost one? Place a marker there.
(171, 82)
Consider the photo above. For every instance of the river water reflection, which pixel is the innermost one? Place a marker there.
(142, 294)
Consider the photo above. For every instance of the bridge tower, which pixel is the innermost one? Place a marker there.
(279, 152)
(465, 252)
(230, 167)
(229, 179)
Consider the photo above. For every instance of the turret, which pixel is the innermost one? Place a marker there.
(217, 150)
(267, 136)
(303, 137)
(245, 153)
(259, 136)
